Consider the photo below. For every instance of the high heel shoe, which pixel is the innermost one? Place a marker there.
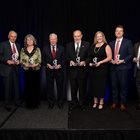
(100, 106)
(94, 105)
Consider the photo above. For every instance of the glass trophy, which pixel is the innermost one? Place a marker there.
(95, 60)
(54, 63)
(77, 60)
(14, 57)
(118, 57)
(31, 61)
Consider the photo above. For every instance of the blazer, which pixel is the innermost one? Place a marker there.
(47, 57)
(126, 54)
(78, 72)
(36, 56)
(6, 54)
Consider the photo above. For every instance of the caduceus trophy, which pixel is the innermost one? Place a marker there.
(54, 63)
(94, 60)
(77, 60)
(31, 61)
(117, 57)
(14, 57)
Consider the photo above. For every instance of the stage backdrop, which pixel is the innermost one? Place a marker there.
(41, 18)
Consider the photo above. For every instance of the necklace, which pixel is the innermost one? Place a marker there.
(96, 49)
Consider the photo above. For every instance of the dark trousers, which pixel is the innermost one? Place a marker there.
(138, 83)
(78, 84)
(119, 85)
(31, 88)
(51, 76)
(11, 85)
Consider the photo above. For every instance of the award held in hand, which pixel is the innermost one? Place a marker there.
(54, 63)
(117, 57)
(77, 60)
(94, 60)
(31, 61)
(14, 57)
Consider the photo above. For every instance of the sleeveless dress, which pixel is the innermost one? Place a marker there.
(99, 74)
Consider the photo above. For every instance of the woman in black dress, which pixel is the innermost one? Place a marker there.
(30, 59)
(100, 55)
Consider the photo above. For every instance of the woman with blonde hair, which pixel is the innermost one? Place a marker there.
(100, 55)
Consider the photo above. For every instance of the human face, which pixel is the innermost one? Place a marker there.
(99, 38)
(77, 35)
(119, 32)
(53, 40)
(30, 41)
(12, 37)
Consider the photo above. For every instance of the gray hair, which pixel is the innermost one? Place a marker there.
(12, 31)
(31, 37)
(52, 34)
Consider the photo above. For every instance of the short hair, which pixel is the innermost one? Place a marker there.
(77, 31)
(120, 26)
(95, 37)
(52, 34)
(12, 31)
(31, 37)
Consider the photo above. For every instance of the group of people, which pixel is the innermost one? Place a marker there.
(102, 60)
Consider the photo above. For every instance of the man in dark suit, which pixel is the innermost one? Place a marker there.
(9, 68)
(122, 51)
(53, 59)
(77, 58)
(136, 60)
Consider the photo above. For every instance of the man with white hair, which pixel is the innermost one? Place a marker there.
(53, 60)
(9, 68)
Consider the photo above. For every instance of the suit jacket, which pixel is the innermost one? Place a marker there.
(6, 54)
(136, 48)
(47, 55)
(126, 54)
(77, 72)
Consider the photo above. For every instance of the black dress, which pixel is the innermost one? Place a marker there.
(31, 85)
(99, 74)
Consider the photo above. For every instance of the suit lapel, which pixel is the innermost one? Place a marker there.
(81, 48)
(122, 46)
(49, 51)
(9, 47)
(57, 51)
(73, 49)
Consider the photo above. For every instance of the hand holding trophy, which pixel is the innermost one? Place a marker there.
(14, 58)
(77, 60)
(117, 58)
(94, 60)
(31, 61)
(54, 63)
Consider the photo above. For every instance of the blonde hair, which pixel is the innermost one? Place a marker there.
(95, 37)
(32, 38)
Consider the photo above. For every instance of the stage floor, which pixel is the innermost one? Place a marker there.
(63, 119)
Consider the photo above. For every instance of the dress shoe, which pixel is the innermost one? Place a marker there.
(138, 106)
(60, 105)
(82, 107)
(51, 105)
(113, 106)
(122, 107)
(8, 108)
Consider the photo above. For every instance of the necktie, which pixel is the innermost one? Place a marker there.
(116, 50)
(77, 49)
(53, 52)
(13, 49)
